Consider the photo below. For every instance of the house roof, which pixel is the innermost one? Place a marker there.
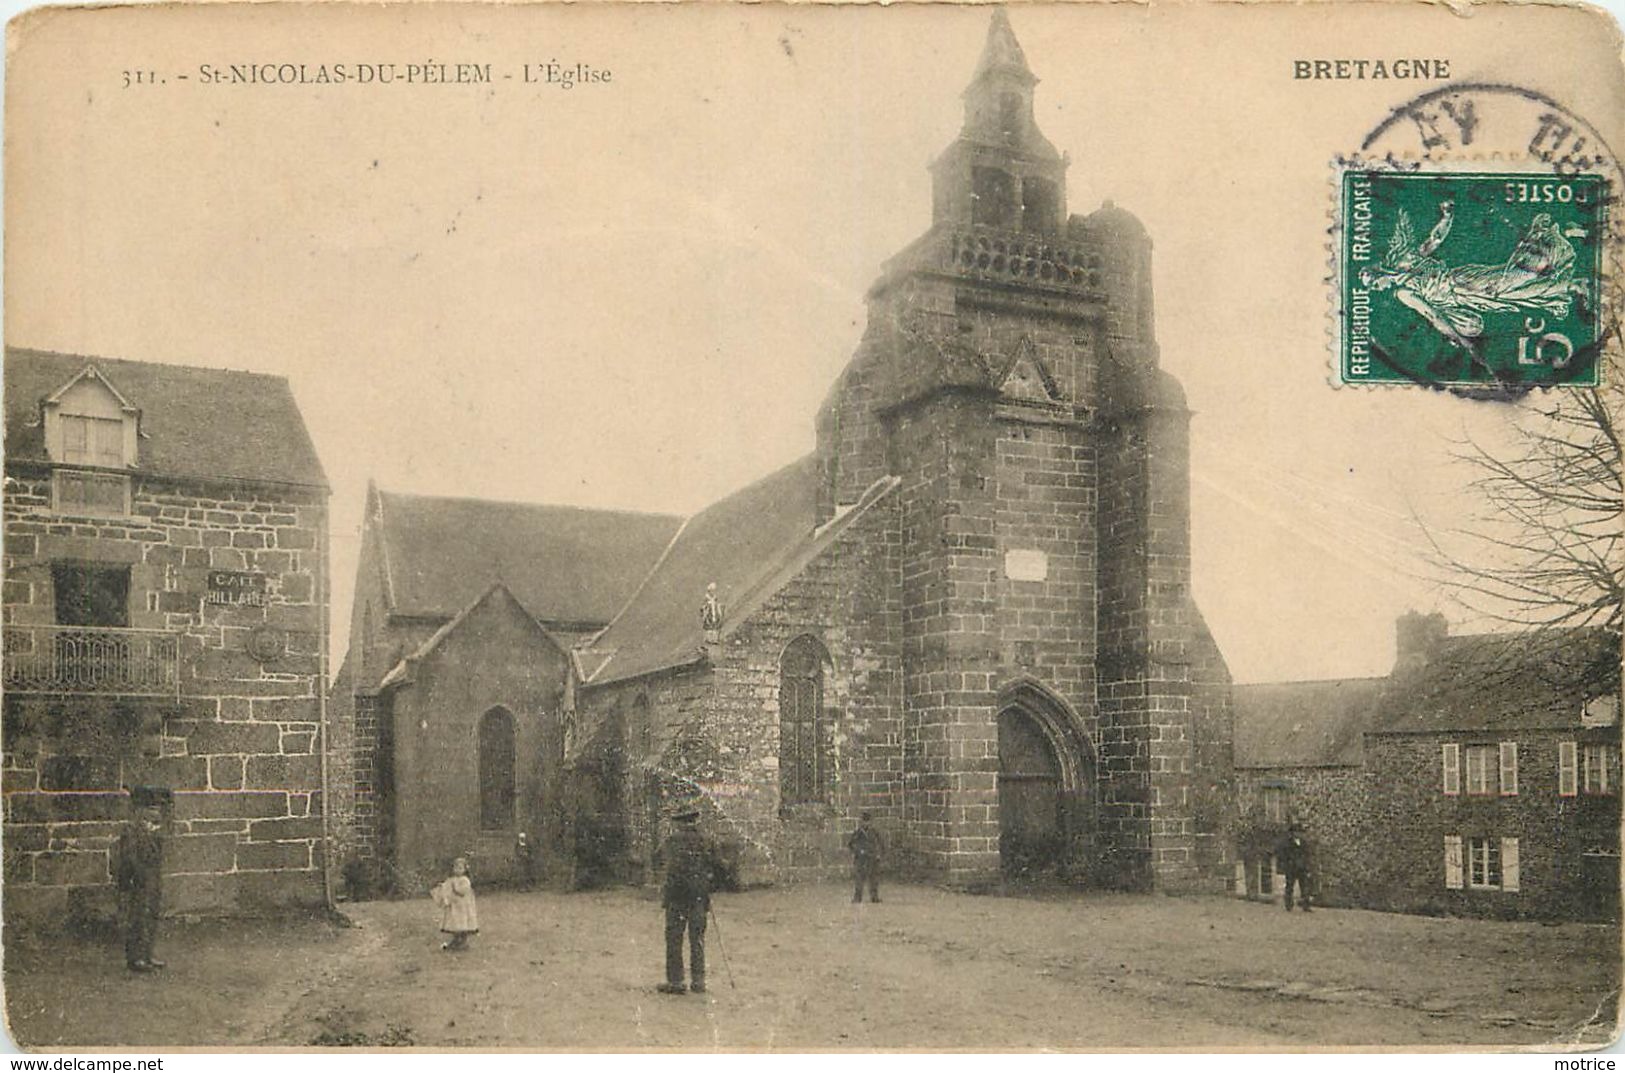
(1304, 724)
(563, 564)
(1503, 681)
(750, 544)
(218, 424)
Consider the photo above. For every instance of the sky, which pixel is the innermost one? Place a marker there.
(635, 294)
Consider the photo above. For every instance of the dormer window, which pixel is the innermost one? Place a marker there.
(90, 429)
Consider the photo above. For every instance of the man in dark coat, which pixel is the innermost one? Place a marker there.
(1292, 857)
(865, 846)
(691, 863)
(138, 869)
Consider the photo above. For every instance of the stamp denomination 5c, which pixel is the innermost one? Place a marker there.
(1470, 278)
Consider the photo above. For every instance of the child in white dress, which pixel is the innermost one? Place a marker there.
(455, 897)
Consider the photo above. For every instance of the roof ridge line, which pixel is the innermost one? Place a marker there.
(92, 358)
(532, 504)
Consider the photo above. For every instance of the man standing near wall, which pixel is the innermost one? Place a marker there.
(691, 864)
(139, 865)
(1292, 856)
(865, 846)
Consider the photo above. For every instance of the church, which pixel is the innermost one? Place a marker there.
(968, 611)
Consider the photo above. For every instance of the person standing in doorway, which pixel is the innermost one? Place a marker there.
(1292, 857)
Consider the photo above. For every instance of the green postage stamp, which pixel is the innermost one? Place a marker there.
(1470, 278)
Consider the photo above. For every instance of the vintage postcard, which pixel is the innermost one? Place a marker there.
(789, 527)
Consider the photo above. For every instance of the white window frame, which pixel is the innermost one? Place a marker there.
(1568, 769)
(1450, 758)
(1600, 776)
(1487, 762)
(1509, 768)
(1483, 863)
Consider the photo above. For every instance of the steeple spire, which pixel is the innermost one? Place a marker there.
(1002, 54)
(1001, 172)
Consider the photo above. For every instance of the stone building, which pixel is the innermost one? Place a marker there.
(969, 610)
(1300, 750)
(165, 622)
(1481, 778)
(449, 706)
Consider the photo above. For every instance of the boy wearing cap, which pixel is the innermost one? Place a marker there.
(139, 865)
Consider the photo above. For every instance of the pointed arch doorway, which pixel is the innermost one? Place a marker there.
(1046, 787)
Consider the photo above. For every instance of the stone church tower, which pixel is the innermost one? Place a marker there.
(1062, 698)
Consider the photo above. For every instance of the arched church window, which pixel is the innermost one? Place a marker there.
(496, 771)
(803, 767)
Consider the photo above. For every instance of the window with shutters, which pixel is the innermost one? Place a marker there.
(803, 767)
(1484, 863)
(1451, 753)
(90, 432)
(1601, 768)
(1509, 768)
(1481, 762)
(1568, 769)
(1481, 863)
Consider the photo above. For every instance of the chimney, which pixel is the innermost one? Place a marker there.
(1416, 638)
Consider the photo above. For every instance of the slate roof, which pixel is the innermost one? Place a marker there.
(1304, 724)
(565, 565)
(750, 544)
(194, 422)
(1503, 681)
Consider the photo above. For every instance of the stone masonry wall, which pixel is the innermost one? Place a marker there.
(943, 449)
(240, 745)
(1561, 872)
(715, 728)
(1332, 803)
(496, 658)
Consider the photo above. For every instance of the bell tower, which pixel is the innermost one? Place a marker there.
(1008, 380)
(1001, 172)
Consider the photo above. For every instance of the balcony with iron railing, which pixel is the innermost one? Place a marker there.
(100, 660)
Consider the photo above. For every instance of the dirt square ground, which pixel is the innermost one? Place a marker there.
(925, 968)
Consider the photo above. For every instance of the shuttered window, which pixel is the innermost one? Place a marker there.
(1480, 763)
(1452, 769)
(1509, 864)
(1568, 769)
(1452, 861)
(1484, 863)
(1509, 768)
